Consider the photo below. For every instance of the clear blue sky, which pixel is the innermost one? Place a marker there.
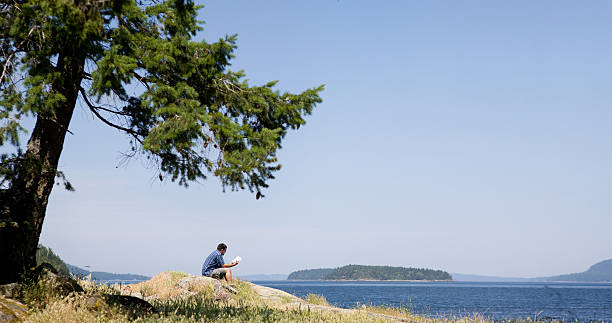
(468, 136)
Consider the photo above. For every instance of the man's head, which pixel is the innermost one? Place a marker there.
(222, 248)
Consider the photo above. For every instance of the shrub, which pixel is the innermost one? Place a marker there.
(316, 299)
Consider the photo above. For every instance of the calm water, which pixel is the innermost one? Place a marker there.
(499, 301)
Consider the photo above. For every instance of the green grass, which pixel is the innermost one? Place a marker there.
(316, 299)
(246, 295)
(196, 309)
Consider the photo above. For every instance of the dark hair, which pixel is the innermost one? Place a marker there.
(221, 246)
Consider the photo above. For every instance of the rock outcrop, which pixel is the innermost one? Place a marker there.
(179, 285)
(11, 310)
(60, 284)
(10, 290)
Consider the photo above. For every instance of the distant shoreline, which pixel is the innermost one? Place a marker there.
(371, 273)
(369, 280)
(457, 281)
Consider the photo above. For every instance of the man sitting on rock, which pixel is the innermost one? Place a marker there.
(215, 267)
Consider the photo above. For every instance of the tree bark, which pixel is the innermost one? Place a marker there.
(23, 205)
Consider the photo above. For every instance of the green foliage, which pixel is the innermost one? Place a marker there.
(191, 116)
(316, 299)
(359, 272)
(35, 293)
(310, 274)
(44, 254)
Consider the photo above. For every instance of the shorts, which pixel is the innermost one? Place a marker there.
(218, 273)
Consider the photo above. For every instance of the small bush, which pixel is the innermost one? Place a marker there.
(316, 299)
(36, 293)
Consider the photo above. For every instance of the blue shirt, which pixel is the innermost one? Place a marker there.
(212, 262)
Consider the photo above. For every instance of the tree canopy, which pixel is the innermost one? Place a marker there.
(192, 116)
(136, 66)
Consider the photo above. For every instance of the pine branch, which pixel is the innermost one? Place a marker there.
(142, 80)
(94, 109)
(10, 57)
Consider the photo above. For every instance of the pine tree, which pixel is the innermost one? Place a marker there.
(193, 117)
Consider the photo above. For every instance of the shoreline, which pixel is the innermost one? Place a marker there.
(367, 280)
(449, 281)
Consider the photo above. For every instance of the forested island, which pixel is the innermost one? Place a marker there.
(360, 272)
(310, 274)
(44, 254)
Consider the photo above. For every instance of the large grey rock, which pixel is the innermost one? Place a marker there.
(62, 285)
(190, 282)
(11, 311)
(95, 302)
(164, 286)
(220, 293)
(131, 304)
(10, 290)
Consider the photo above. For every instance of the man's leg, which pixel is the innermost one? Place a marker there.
(228, 275)
(219, 273)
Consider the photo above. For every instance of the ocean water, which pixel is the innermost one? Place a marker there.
(569, 302)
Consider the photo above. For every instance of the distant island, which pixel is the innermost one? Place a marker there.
(310, 274)
(599, 272)
(360, 272)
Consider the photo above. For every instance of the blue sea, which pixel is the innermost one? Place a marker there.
(569, 302)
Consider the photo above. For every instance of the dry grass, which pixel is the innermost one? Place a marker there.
(200, 306)
(408, 315)
(246, 294)
(73, 309)
(316, 299)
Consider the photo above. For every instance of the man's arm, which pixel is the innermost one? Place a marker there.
(231, 264)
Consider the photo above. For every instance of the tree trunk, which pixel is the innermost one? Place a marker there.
(23, 205)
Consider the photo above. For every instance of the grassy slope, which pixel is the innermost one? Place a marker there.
(252, 303)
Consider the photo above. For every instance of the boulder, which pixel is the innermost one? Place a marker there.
(96, 303)
(10, 290)
(170, 285)
(192, 283)
(221, 294)
(11, 310)
(131, 304)
(62, 285)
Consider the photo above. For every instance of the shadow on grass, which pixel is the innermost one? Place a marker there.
(199, 308)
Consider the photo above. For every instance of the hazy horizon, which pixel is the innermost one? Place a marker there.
(287, 273)
(472, 137)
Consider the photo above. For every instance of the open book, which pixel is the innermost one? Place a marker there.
(237, 259)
